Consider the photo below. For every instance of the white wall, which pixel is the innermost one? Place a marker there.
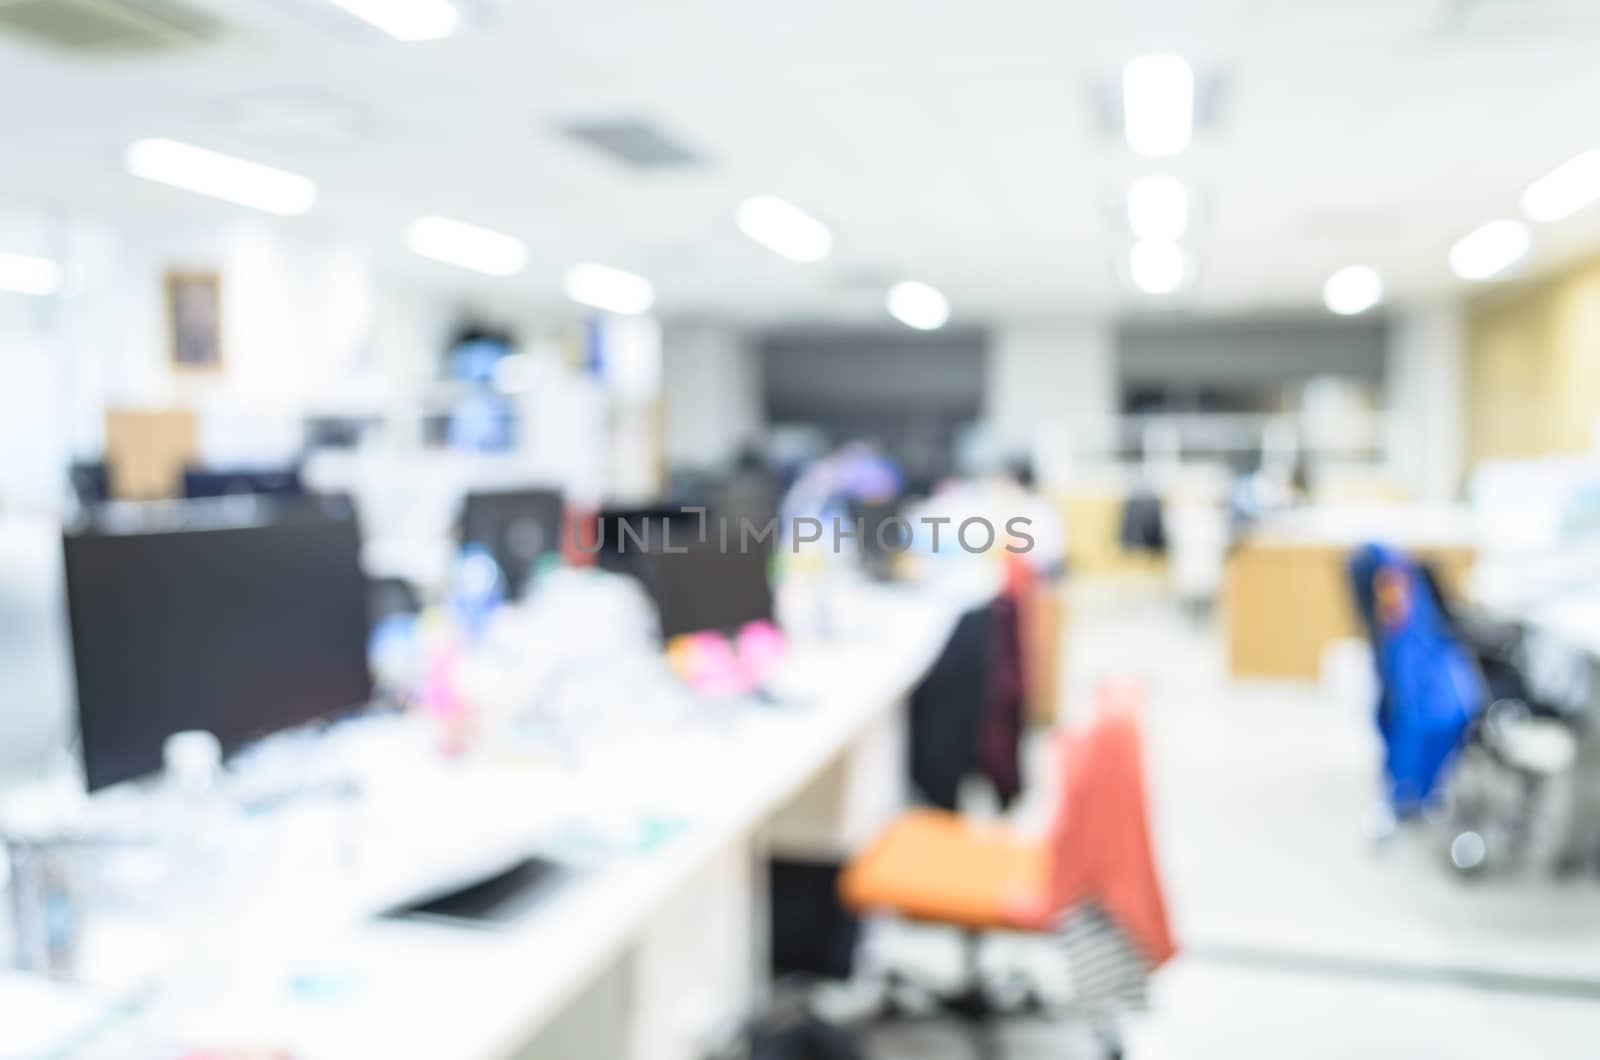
(1052, 391)
(297, 320)
(305, 326)
(1426, 398)
(32, 435)
(712, 394)
(32, 431)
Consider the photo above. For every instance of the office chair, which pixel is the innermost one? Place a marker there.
(1096, 869)
(1463, 681)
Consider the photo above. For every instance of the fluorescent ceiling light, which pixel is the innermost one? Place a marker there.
(1158, 105)
(1564, 190)
(467, 246)
(1490, 250)
(916, 305)
(1157, 267)
(221, 176)
(784, 229)
(1158, 209)
(1353, 289)
(408, 20)
(21, 274)
(610, 289)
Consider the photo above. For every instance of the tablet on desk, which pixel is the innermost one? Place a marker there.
(494, 900)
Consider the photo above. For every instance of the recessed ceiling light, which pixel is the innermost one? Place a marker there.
(21, 274)
(615, 291)
(467, 246)
(1353, 289)
(1157, 267)
(1490, 250)
(1158, 209)
(917, 305)
(1158, 105)
(407, 20)
(1564, 190)
(784, 228)
(221, 176)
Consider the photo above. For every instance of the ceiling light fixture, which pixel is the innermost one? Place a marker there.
(615, 291)
(1158, 209)
(221, 176)
(407, 20)
(1490, 250)
(1157, 267)
(1353, 289)
(467, 246)
(1158, 105)
(21, 274)
(1564, 190)
(917, 305)
(784, 228)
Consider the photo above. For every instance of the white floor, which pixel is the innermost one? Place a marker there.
(1300, 938)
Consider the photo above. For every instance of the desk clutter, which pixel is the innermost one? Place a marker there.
(300, 795)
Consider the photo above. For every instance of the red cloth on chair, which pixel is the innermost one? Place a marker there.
(1099, 848)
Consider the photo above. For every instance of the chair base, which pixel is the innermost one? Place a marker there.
(977, 1008)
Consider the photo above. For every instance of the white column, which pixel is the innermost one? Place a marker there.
(713, 394)
(1425, 396)
(1052, 392)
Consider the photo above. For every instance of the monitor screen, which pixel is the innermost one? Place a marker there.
(517, 527)
(240, 631)
(708, 588)
(623, 537)
(879, 540)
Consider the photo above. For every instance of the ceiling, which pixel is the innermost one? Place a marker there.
(973, 145)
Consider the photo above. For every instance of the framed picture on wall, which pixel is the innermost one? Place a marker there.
(194, 319)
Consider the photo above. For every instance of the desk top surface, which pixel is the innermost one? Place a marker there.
(325, 978)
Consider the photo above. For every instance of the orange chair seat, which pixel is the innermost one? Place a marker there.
(937, 867)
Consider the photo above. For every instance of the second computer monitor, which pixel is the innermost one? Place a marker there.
(517, 527)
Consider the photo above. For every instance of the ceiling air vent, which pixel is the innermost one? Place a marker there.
(107, 27)
(636, 144)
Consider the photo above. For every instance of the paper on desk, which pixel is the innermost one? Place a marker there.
(43, 1019)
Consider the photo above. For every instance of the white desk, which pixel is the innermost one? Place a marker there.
(643, 957)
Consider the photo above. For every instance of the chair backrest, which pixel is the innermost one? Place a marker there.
(1100, 840)
(1431, 691)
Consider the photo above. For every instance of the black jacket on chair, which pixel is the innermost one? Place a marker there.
(966, 715)
(947, 710)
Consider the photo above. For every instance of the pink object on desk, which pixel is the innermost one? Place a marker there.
(442, 700)
(761, 648)
(713, 665)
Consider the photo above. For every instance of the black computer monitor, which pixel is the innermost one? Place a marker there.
(880, 541)
(209, 483)
(517, 527)
(707, 588)
(237, 630)
(624, 539)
